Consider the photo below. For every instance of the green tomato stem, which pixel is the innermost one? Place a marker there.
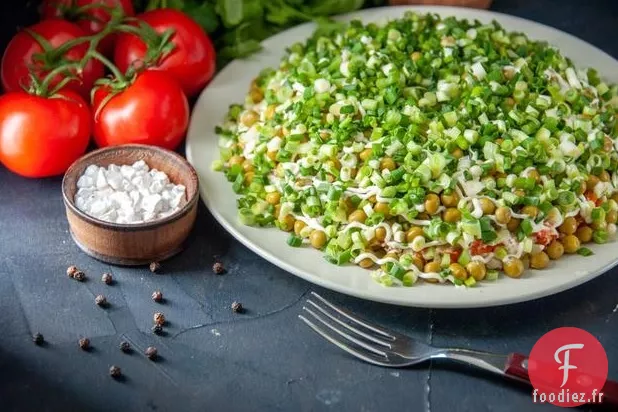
(111, 66)
(153, 4)
(42, 88)
(94, 40)
(158, 45)
(45, 45)
(144, 34)
(55, 54)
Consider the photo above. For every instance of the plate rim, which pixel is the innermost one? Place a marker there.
(365, 294)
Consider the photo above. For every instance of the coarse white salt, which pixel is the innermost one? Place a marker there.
(128, 194)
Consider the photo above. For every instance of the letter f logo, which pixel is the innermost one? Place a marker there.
(567, 354)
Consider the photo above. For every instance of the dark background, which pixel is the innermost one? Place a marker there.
(591, 20)
(265, 359)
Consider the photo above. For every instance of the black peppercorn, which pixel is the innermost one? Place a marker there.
(38, 339)
(100, 300)
(237, 307)
(157, 296)
(218, 268)
(125, 346)
(115, 372)
(159, 318)
(155, 267)
(157, 329)
(107, 278)
(79, 276)
(151, 352)
(71, 270)
(84, 343)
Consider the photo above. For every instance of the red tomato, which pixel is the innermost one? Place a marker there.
(479, 248)
(545, 237)
(590, 195)
(153, 110)
(455, 253)
(19, 55)
(191, 62)
(91, 20)
(41, 137)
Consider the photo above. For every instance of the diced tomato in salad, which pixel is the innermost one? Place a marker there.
(478, 247)
(591, 196)
(455, 253)
(545, 237)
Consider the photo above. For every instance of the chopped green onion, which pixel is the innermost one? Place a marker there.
(294, 241)
(500, 252)
(600, 236)
(526, 227)
(217, 165)
(491, 275)
(464, 258)
(584, 251)
(566, 198)
(470, 281)
(598, 214)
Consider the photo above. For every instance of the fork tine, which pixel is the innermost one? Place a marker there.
(355, 319)
(348, 326)
(344, 334)
(366, 356)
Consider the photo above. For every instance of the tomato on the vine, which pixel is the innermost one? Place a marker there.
(191, 61)
(150, 110)
(91, 15)
(37, 47)
(42, 136)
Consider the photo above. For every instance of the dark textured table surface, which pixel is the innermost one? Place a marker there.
(264, 359)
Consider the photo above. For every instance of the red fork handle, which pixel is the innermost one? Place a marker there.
(610, 393)
(517, 368)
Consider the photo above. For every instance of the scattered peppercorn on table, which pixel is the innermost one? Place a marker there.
(232, 340)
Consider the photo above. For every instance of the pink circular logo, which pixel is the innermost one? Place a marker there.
(567, 367)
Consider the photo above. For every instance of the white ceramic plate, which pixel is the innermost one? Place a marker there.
(231, 86)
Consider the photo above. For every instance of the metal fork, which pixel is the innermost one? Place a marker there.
(384, 347)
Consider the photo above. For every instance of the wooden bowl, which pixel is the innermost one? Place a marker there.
(132, 244)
